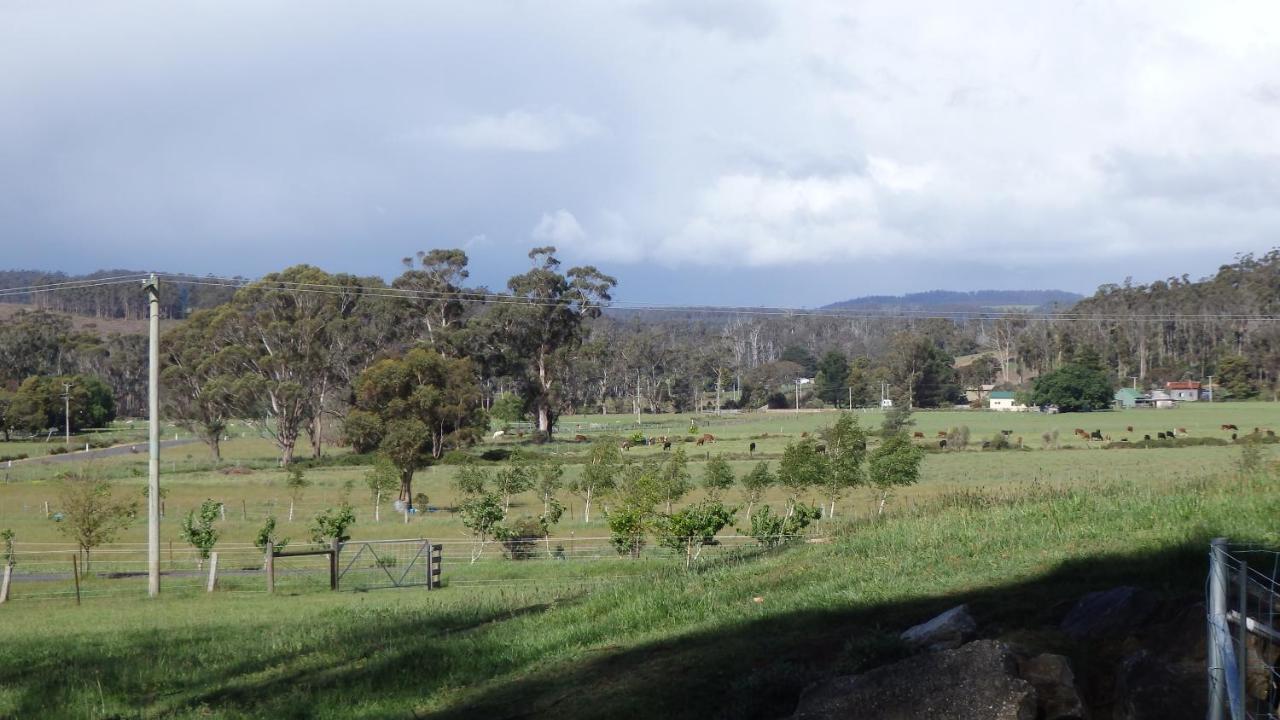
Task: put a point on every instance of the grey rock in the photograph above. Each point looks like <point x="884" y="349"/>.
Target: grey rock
<point x="946" y="631"/>
<point x="1055" y="685"/>
<point x="1107" y="613"/>
<point x="1148" y="688"/>
<point x="975" y="682"/>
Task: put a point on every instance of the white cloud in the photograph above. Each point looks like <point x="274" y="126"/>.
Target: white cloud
<point x="535" y="131"/>
<point x="613" y="242"/>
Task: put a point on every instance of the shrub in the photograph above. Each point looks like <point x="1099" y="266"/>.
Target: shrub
<point x="58" y="450"/>
<point x="520" y="539"/>
<point x="770" y="530"/>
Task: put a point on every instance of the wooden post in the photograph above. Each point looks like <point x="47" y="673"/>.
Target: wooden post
<point x="334" y="548"/>
<point x="213" y="572"/>
<point x="271" y="565"/>
<point x="4" y="583"/>
<point x="46" y="509"/>
<point x="222" y="508"/>
<point x="244" y="509"/>
<point x="75" y="573"/>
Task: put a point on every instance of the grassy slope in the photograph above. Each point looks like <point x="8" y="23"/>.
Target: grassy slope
<point x="667" y="645"/>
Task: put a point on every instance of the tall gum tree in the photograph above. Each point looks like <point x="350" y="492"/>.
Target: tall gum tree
<point x="544" y="323"/>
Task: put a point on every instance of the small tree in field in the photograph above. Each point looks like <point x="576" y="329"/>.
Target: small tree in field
<point x="599" y="473"/>
<point x="674" y="478"/>
<point x="267" y="536"/>
<point x="332" y="524"/>
<point x="92" y="513"/>
<point x="846" y="453"/>
<point x="297" y="484"/>
<point x="516" y="477"/>
<point x="717" y="476"/>
<point x="483" y="516"/>
<point x="550" y="480"/>
<point x="770" y="530"/>
<point x="639" y="490"/>
<point x="755" y="484"/>
<point x="694" y="528"/>
<point x="801" y="468"/>
<point x="382" y="479"/>
<point x="896" y="463"/>
<point x="198" y="529"/>
<point x="472" y="480"/>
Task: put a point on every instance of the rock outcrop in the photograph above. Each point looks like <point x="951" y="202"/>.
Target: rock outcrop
<point x="949" y="630"/>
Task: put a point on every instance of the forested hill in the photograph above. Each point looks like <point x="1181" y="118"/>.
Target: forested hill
<point x="121" y="301"/>
<point x="976" y="300"/>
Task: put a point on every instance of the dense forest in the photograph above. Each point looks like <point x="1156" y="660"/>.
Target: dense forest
<point x="287" y="349"/>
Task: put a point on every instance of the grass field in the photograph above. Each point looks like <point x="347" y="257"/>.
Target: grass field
<point x="1009" y="530"/>
<point x="664" y="643"/>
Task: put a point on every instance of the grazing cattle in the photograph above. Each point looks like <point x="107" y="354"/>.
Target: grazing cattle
<point x="751" y="450"/>
<point x="942" y="433"/>
<point x="520" y="434"/>
<point x="821" y="448"/>
<point x="804" y="434"/>
<point x="942" y="444"/>
<point x="1271" y="433"/>
<point x="1082" y="434"/>
<point x="666" y="444"/>
<point x="1182" y="431"/>
<point x="917" y="435"/>
<point x="579" y="438"/>
<point x="701" y="441"/>
<point x="499" y="434"/>
<point x="1095" y="435"/>
<point x="1006" y="433"/>
<point x="709" y="437"/>
<point x="1128" y="428"/>
<point x="1169" y="434"/>
<point x="1160" y="435"/>
<point x="626" y="445"/>
<point x="1146" y="438"/>
<point x="986" y="444"/>
<point x="1229" y="426"/>
<point x="1233" y="437"/>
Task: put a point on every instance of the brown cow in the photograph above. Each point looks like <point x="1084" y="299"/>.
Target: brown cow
<point x="700" y="441"/>
<point x="579" y="438"/>
<point x="917" y="435"/>
<point x="1181" y="431"/>
<point x="626" y="445"/>
<point x="1229" y="426"/>
<point x="709" y="437"/>
<point x="942" y="433"/>
<point x="1128" y="428"/>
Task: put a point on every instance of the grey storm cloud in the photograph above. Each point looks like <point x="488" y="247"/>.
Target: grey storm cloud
<point x="699" y="151"/>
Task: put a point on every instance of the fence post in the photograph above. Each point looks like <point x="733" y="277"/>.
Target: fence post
<point x="271" y="565"/>
<point x="1217" y="618"/>
<point x="4" y="583"/>
<point x="1242" y="652"/>
<point x="334" y="548"/>
<point x="75" y="573"/>
<point x="213" y="571"/>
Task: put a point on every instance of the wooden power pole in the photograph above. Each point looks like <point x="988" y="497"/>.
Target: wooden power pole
<point x="151" y="285"/>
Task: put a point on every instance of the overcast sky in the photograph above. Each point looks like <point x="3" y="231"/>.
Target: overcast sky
<point x="729" y="151"/>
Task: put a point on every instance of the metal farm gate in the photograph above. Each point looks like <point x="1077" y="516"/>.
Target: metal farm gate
<point x="375" y="564"/>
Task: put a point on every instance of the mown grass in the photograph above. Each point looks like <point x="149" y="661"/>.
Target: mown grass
<point x="664" y="644"/>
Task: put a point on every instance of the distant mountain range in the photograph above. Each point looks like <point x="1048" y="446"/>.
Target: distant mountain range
<point x="976" y="300"/>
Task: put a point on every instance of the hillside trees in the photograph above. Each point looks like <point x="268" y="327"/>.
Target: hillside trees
<point x="832" y="377"/>
<point x="424" y="403"/>
<point x="539" y="332"/>
<point x="284" y="340"/>
<point x="923" y="370"/>
<point x="38" y="404"/>
<point x="1078" y="386"/>
<point x="199" y="389"/>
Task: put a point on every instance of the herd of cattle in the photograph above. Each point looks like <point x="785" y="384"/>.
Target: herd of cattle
<point x="1097" y="435"/>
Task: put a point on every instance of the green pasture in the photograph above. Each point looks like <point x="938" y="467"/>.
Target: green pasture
<point x="250" y="485"/>
<point x="740" y="636"/>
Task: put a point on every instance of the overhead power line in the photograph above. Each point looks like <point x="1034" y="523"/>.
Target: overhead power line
<point x="491" y="298"/>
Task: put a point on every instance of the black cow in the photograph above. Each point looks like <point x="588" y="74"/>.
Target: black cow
<point x="752" y="449"/>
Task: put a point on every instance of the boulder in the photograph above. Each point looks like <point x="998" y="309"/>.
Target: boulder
<point x="946" y="631"/>
<point x="975" y="682"/>
<point x="1108" y="612"/>
<point x="1055" y="685"/>
<point x="1148" y="688"/>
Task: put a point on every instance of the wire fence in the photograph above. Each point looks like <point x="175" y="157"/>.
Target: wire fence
<point x="58" y="571"/>
<point x="1243" y="598"/>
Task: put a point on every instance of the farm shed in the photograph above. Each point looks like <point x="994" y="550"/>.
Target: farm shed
<point x="1006" y="401"/>
<point x="1127" y="398"/>
<point x="1183" y="390"/>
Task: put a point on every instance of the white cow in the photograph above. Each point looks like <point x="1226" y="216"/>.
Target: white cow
<point x="499" y="434"/>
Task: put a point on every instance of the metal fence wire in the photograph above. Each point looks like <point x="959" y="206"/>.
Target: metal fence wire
<point x="1243" y="599"/>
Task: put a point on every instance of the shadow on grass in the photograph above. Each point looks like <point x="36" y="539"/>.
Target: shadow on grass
<point x="392" y="663"/>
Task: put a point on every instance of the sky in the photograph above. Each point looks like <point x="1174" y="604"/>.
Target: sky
<point x="732" y="152"/>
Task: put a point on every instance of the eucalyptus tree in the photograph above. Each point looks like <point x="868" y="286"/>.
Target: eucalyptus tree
<point x="417" y="406"/>
<point x="542" y="323"/>
<point x="200" y="389"/>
